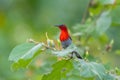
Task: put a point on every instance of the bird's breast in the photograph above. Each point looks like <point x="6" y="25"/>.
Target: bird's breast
<point x="64" y="36"/>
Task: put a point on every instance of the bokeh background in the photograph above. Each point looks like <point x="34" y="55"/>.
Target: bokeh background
<point x="24" y="19"/>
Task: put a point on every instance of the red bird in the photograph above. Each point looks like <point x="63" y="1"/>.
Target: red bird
<point x="64" y="36"/>
<point x="66" y="39"/>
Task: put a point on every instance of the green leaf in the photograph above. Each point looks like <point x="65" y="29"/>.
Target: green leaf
<point x="109" y="77"/>
<point x="60" y="69"/>
<point x="47" y="61"/>
<point x="23" y="54"/>
<point x="91" y="70"/>
<point x="83" y="29"/>
<point x="94" y="70"/>
<point x="117" y="52"/>
<point x="80" y="29"/>
<point x="105" y="2"/>
<point x="68" y="50"/>
<point x="103" y="23"/>
<point x="115" y="17"/>
<point x="117" y="71"/>
<point x="96" y="10"/>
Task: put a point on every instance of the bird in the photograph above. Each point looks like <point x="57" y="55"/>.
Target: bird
<point x="66" y="39"/>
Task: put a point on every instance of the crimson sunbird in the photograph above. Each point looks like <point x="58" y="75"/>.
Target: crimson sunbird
<point x="66" y="39"/>
<point x="64" y="36"/>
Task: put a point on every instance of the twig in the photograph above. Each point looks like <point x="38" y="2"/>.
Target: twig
<point x="33" y="41"/>
<point x="48" y="47"/>
<point x="86" y="12"/>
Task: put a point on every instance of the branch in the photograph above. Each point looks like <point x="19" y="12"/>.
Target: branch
<point x="86" y="12"/>
<point x="33" y="41"/>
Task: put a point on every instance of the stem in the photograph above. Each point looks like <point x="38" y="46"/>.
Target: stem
<point x="33" y="41"/>
<point x="86" y="12"/>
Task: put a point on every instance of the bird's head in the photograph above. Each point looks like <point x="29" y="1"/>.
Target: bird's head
<point x="61" y="27"/>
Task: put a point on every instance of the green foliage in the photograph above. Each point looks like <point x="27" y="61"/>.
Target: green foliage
<point x="105" y="2"/>
<point x="98" y="27"/>
<point x="92" y="69"/>
<point x="115" y="18"/>
<point x="60" y="69"/>
<point x="22" y="54"/>
<point x="103" y="22"/>
<point x="95" y="39"/>
<point x="68" y="50"/>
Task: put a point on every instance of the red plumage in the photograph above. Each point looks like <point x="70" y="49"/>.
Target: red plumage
<point x="64" y="36"/>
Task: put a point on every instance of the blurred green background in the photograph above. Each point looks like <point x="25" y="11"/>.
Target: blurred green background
<point x="24" y="19"/>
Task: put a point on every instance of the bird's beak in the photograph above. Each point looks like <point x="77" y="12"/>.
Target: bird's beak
<point x="57" y="25"/>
